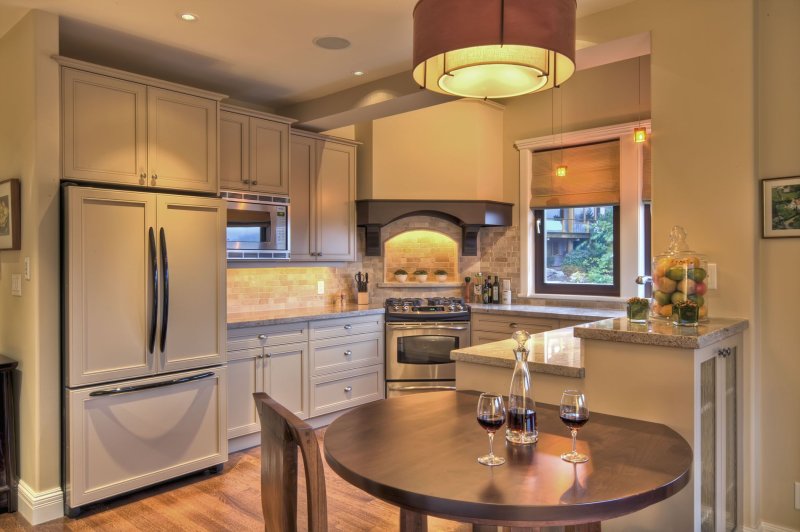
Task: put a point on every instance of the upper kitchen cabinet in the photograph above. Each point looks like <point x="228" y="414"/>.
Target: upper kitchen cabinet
<point x="126" y="129"/>
<point x="323" y="185"/>
<point x="253" y="151"/>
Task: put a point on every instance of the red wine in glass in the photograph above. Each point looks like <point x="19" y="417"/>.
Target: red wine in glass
<point x="574" y="413"/>
<point x="491" y="414"/>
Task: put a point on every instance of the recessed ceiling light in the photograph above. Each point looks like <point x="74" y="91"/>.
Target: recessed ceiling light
<point x="187" y="17"/>
<point x="331" y="43"/>
<point x="358" y="73"/>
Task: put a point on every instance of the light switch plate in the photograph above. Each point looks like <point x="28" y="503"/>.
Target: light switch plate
<point x="16" y="284"/>
<point x="27" y="268"/>
<point x="320" y="287"/>
<point x="712" y="276"/>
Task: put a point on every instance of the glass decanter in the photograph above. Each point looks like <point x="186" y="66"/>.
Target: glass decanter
<point x="521" y="415"/>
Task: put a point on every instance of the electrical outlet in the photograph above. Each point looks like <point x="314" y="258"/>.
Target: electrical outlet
<point x="711" y="282"/>
<point x="27" y="268"/>
<point x="320" y="287"/>
<point x="797" y="495"/>
<point x="16" y="284"/>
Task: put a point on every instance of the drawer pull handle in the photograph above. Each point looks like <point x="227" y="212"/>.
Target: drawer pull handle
<point x="262" y="336"/>
<point x="348" y="327"/>
<point x="348" y="353"/>
<point x="348" y="389"/>
<point x="512" y="325"/>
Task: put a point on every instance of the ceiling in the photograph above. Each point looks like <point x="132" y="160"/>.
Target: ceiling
<point x="257" y="51"/>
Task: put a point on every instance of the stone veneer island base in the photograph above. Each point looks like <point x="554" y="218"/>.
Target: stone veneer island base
<point x="688" y="378"/>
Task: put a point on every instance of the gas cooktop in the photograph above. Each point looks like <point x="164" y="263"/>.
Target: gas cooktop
<point x="431" y="309"/>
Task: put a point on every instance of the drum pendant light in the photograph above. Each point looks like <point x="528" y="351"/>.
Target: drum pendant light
<point x="493" y="48"/>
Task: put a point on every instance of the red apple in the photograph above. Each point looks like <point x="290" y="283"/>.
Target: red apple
<point x="700" y="288"/>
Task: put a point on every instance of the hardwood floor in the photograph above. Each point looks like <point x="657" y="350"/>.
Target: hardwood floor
<point x="230" y="500"/>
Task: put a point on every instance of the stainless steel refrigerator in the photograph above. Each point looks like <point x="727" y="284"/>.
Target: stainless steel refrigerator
<point x="144" y="339"/>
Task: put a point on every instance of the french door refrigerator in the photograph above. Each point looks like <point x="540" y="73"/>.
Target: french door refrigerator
<point x="144" y="340"/>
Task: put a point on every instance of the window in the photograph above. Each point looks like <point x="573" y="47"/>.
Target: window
<point x="577" y="250"/>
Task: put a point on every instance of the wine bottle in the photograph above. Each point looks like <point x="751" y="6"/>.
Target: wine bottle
<point x="477" y="288"/>
<point x="496" y="290"/>
<point x="487" y="290"/>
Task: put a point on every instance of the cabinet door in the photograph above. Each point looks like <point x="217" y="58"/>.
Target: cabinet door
<point x="109" y="286"/>
<point x="269" y="156"/>
<point x="234" y="151"/>
<point x="105" y="135"/>
<point x="244" y="379"/>
<point x="181" y="141"/>
<point x="303" y="167"/>
<point x="192" y="238"/>
<point x="335" y="196"/>
<point x="286" y="377"/>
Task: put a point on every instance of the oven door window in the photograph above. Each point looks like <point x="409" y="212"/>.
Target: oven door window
<point x="426" y="349"/>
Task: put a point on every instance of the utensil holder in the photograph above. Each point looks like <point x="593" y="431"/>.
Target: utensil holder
<point x="363" y="298"/>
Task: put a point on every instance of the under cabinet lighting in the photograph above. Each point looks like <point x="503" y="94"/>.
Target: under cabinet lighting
<point x="561" y="170"/>
<point x="358" y="73"/>
<point x="188" y="17"/>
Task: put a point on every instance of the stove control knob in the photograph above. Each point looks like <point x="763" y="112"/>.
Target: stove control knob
<point x="452" y="308"/>
<point x="458" y="308"/>
<point x="396" y="308"/>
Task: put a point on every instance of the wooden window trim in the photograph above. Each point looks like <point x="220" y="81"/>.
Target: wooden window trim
<point x="573" y="289"/>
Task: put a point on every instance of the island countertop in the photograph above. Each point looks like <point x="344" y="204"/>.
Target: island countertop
<point x="662" y="333"/>
<point x="555" y="352"/>
<point x="240" y="320"/>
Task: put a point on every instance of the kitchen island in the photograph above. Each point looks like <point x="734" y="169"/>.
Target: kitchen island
<point x="686" y="378"/>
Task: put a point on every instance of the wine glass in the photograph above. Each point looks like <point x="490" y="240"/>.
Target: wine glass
<point x="574" y="414"/>
<point x="491" y="416"/>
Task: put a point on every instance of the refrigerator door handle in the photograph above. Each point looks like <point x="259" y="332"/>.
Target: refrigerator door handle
<point x="154" y="280"/>
<point x="165" y="306"/>
<point x="140" y="387"/>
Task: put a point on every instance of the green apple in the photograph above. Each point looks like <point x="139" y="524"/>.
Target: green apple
<point x="662" y="298"/>
<point x="697" y="274"/>
<point x="676" y="273"/>
<point x="700" y="300"/>
<point x="678" y="297"/>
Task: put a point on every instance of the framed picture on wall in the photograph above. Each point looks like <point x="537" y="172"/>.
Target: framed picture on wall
<point x="9" y="214"/>
<point x="781" y="207"/>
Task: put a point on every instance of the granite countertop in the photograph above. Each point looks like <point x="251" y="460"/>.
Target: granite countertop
<point x="549" y="311"/>
<point x="240" y="320"/>
<point x="555" y="352"/>
<point x="657" y="332"/>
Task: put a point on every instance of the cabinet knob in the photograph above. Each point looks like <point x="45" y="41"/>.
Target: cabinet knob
<point x="724" y="352"/>
<point x="154" y="176"/>
<point x="348" y="327"/>
<point x="348" y="389"/>
<point x="142" y="177"/>
<point x="348" y="353"/>
<point x="260" y="356"/>
<point x="267" y="355"/>
<point x="246" y="181"/>
<point x="512" y="325"/>
<point x="262" y="336"/>
<point x="253" y="182"/>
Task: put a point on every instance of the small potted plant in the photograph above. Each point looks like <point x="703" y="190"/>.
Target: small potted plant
<point x="638" y="308"/>
<point x="401" y="275"/>
<point x="421" y="275"/>
<point x="685" y="313"/>
<point x="441" y="275"/>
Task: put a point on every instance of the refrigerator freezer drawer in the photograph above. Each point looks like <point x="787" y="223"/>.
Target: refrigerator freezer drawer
<point x="125" y="436"/>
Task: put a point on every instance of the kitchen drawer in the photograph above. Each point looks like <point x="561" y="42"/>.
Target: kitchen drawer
<point x="346" y="389"/>
<point x="339" y="354"/>
<point x="338" y="327"/>
<point x="484" y="337"/>
<point x="120" y="442"/>
<point x="505" y="323"/>
<point x="267" y="336"/>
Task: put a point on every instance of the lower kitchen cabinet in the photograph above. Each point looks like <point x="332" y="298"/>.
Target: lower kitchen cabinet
<point x="490" y="327"/>
<point x="311" y="368"/>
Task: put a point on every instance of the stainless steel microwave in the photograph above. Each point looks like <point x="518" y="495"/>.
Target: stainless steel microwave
<point x="258" y="226"/>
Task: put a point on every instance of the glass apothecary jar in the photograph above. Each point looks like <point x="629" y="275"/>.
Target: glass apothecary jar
<point x="679" y="275"/>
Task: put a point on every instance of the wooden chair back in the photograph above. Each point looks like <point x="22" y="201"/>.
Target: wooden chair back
<point x="281" y="434"/>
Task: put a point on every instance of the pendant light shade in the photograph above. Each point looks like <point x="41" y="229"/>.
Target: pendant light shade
<point x="493" y="48"/>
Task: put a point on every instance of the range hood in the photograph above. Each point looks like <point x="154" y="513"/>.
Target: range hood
<point x="471" y="215"/>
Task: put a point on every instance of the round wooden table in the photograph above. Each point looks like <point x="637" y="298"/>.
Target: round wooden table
<point x="419" y="452"/>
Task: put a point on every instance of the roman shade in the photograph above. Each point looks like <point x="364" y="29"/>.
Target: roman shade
<point x="592" y="177"/>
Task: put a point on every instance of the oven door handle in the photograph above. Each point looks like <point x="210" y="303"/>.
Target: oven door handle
<point x="423" y="327"/>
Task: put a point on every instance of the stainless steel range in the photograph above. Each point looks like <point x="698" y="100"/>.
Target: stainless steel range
<point x="419" y="337"/>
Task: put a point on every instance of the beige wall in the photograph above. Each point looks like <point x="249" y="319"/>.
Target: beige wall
<point x="448" y="151"/>
<point x="29" y="326"/>
<point x="779" y="261"/>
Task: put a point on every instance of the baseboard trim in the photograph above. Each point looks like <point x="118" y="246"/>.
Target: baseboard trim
<point x="40" y="507"/>
<point x="768" y="527"/>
